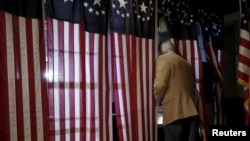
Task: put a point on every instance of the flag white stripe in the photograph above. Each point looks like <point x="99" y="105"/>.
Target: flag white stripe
<point x="144" y="83"/>
<point x="88" y="45"/>
<point x="66" y="80"/>
<point x="103" y="110"/>
<point x="111" y="91"/>
<point x="25" y="78"/>
<point x="215" y="61"/>
<point x="244" y="51"/>
<point x="243" y="68"/>
<point x="108" y="134"/>
<point x="188" y="50"/>
<point x="96" y="77"/>
<point x="88" y="91"/>
<point x="197" y="60"/>
<point x="151" y="51"/>
<point x="56" y="81"/>
<point x="139" y="47"/>
<point x="77" y="65"/>
<point x="130" y="48"/>
<point x="125" y="54"/>
<point x="11" y="78"/>
<point x="219" y="57"/>
<point x="119" y="81"/>
<point x="123" y="120"/>
<point x="244" y="34"/>
<point x="180" y="48"/>
<point x="37" y="72"/>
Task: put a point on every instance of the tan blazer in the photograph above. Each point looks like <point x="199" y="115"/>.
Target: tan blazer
<point x="174" y="87"/>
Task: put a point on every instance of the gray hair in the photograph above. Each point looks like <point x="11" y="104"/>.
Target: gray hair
<point x="167" y="46"/>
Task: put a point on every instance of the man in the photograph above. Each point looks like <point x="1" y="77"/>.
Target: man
<point x="174" y="89"/>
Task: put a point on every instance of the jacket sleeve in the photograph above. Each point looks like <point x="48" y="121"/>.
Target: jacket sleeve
<point x="163" y="71"/>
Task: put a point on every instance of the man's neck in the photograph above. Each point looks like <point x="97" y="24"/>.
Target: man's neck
<point x="167" y="52"/>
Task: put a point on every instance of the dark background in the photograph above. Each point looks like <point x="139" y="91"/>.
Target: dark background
<point x="224" y="7"/>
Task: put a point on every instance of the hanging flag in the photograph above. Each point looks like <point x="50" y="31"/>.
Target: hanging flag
<point x="133" y="63"/>
<point x="243" y="72"/>
<point x="78" y="79"/>
<point x="181" y="23"/>
<point x="219" y="85"/>
<point x="23" y="86"/>
<point x="211" y="28"/>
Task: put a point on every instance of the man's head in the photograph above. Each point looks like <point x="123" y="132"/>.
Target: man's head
<point x="167" y="46"/>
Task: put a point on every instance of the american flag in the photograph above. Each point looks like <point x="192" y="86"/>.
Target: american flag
<point x="219" y="84"/>
<point x="243" y="72"/>
<point x="211" y="27"/>
<point x="133" y="61"/>
<point x="77" y="66"/>
<point x="23" y="99"/>
<point x="181" y="22"/>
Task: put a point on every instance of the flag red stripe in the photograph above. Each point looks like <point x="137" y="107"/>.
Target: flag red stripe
<point x="18" y="81"/>
<point x="129" y="51"/>
<point x="83" y="96"/>
<point x="51" y="84"/>
<point x="137" y="65"/>
<point x="151" y="50"/>
<point x="148" y="100"/>
<point x="108" y="116"/>
<point x="44" y="88"/>
<point x="133" y="83"/>
<point x="11" y="64"/>
<point x="92" y="86"/>
<point x="101" y="92"/>
<point x="66" y="97"/>
<point x="144" y="80"/>
<point x="203" y="112"/>
<point x="244" y="43"/>
<point x="243" y="76"/>
<point x="61" y="77"/>
<point x="116" y="87"/>
<point x="124" y="92"/>
<point x="243" y="71"/>
<point x="218" y="89"/>
<point x="193" y="58"/>
<point x="184" y="47"/>
<point x="244" y="59"/>
<point x="145" y="51"/>
<point x="201" y="81"/>
<point x="24" y="98"/>
<point x="31" y="76"/>
<point x="127" y="96"/>
<point x="213" y="60"/>
<point x="104" y="92"/>
<point x="4" y="100"/>
<point x="70" y="114"/>
<point x="71" y="85"/>
<point x="188" y="49"/>
<point x="144" y="93"/>
<point x="220" y="56"/>
<point x="141" y="96"/>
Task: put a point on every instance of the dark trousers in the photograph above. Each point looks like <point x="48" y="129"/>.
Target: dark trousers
<point x="179" y="130"/>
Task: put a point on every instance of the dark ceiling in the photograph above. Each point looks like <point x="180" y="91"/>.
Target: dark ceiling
<point x="218" y="6"/>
